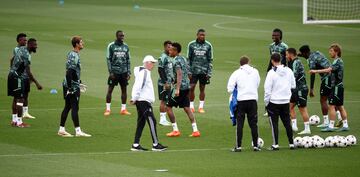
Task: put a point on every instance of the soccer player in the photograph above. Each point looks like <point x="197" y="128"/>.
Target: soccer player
<point x="118" y="62"/>
<point x="299" y="94"/>
<point x="143" y="97"/>
<point x="336" y="97"/>
<point x="200" y="56"/>
<point x="180" y="94"/>
<point x="277" y="47"/>
<point x="71" y="89"/>
<point x="247" y="81"/>
<point x="278" y="84"/>
<point x="165" y="71"/>
<point x="318" y="61"/>
<point x="16" y="85"/>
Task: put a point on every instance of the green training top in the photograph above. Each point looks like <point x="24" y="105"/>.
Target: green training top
<point x="118" y="58"/>
<point x="22" y="59"/>
<point x="337" y="72"/>
<point x="299" y="73"/>
<point x="200" y="55"/>
<point x="166" y="63"/>
<point x="181" y="63"/>
<point x="73" y="62"/>
<point x="317" y="61"/>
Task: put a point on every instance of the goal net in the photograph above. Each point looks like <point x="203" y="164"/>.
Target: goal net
<point x="331" y="11"/>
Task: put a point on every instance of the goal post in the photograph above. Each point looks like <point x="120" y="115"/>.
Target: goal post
<point x="331" y="11"/>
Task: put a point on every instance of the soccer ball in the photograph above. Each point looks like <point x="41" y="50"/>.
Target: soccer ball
<point x="329" y="141"/>
<point x="260" y="143"/>
<point x="319" y="142"/>
<point x="314" y="120"/>
<point x="341" y="142"/>
<point x="297" y="141"/>
<point x="307" y="142"/>
<point x="351" y="140"/>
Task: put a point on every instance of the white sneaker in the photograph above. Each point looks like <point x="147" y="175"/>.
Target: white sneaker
<point x="266" y="114"/>
<point x="295" y="129"/>
<point x="304" y="132"/>
<point x="28" y="116"/>
<point x="64" y="134"/>
<point x="82" y="134"/>
<point x="164" y="122"/>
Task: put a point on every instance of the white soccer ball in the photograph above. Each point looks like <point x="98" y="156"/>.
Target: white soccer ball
<point x="260" y="143"/>
<point x="307" y="142"/>
<point x="351" y="140"/>
<point x="341" y="142"/>
<point x="297" y="141"/>
<point x="319" y="142"/>
<point x="329" y="141"/>
<point x="314" y="120"/>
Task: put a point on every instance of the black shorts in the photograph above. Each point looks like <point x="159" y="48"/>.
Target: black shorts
<point x="337" y="96"/>
<point x="119" y="79"/>
<point x="26" y="85"/>
<point x="199" y="77"/>
<point x="299" y="97"/>
<point x="163" y="93"/>
<point x="325" y="88"/>
<point x="15" y="86"/>
<point x="181" y="101"/>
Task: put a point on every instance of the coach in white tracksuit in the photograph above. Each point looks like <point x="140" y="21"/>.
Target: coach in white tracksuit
<point x="246" y="79"/>
<point x="278" y="84"/>
<point x="143" y="97"/>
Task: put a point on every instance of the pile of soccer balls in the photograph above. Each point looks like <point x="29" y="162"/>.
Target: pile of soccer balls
<point x="318" y="142"/>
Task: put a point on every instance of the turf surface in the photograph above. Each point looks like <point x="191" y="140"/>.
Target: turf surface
<point x="233" y="27"/>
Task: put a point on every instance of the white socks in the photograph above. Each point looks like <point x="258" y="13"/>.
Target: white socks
<point x="77" y="130"/>
<point x="338" y="115"/>
<point x="191" y="105"/>
<point x="194" y="127"/>
<point x="331" y="124"/>
<point x="162" y="116"/>
<point x="25" y="109"/>
<point x="61" y="129"/>
<point x="123" y="107"/>
<point x="294" y="123"/>
<point x="108" y="106"/>
<point x="345" y="123"/>
<point x="306" y="126"/>
<point x="175" y="127"/>
<point x="326" y="119"/>
<point x="19" y="120"/>
<point x="201" y="105"/>
<point x="14" y="117"/>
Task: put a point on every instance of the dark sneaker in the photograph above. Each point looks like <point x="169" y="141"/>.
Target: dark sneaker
<point x="339" y="124"/>
<point x="256" y="149"/>
<point x="273" y="148"/>
<point x="159" y="147"/>
<point x="138" y="148"/>
<point x="236" y="149"/>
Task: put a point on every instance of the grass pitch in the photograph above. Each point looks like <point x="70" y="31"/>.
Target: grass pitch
<point x="233" y="27"/>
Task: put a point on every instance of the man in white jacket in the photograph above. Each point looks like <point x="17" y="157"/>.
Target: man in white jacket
<point x="247" y="81"/>
<point x="278" y="84"/>
<point x="143" y="96"/>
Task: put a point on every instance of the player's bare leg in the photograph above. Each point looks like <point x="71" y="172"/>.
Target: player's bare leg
<point x="171" y="115"/>
<point x="324" y="110"/>
<point x="345" y="126"/>
<point x="123" y="100"/>
<point x="196" y="132"/>
<point x="192" y="97"/>
<point x="293" y="117"/>
<point x="202" y="98"/>
<point x="108" y="100"/>
<point x="163" y="120"/>
<point x="26" y="107"/>
<point x="305" y="115"/>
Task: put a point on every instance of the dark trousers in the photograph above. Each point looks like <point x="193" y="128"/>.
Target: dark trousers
<point x="248" y="107"/>
<point x="71" y="102"/>
<point x="282" y="110"/>
<point x="145" y="114"/>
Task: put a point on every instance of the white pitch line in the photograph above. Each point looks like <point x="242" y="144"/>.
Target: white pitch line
<point x="104" y="153"/>
<point x="225" y="105"/>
